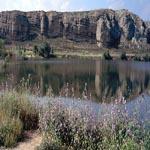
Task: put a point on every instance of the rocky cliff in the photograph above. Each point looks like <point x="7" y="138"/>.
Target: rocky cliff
<point x="107" y="28"/>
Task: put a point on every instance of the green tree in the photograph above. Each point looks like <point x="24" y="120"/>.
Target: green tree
<point x="2" y="49"/>
<point x="35" y="49"/>
<point x="43" y="50"/>
<point x="107" y="56"/>
<point x="123" y="56"/>
<point x="146" y="58"/>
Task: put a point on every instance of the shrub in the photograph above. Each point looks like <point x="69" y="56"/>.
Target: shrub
<point x="147" y="140"/>
<point x="123" y="56"/>
<point x="137" y="58"/>
<point x="17" y="114"/>
<point x="107" y="56"/>
<point x="48" y="145"/>
<point x="17" y="104"/>
<point x="146" y="58"/>
<point x="76" y="130"/>
<point x="3" y="53"/>
<point x="130" y="144"/>
<point x="43" y="50"/>
<point x="35" y="49"/>
<point x="10" y="131"/>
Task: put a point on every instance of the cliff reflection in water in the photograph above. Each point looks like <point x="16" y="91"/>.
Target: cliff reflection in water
<point x="95" y="79"/>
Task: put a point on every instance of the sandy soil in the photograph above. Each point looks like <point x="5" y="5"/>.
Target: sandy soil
<point x="33" y="140"/>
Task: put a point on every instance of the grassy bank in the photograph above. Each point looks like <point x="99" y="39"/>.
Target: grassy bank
<point x="66" y="128"/>
<point x="17" y="115"/>
<point x="115" y="55"/>
<point x="67" y="48"/>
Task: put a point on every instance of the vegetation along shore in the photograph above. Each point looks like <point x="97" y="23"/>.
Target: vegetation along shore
<point x="65" y="128"/>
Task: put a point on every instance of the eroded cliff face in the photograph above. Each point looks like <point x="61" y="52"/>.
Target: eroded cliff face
<point x="108" y="32"/>
<point x="105" y="27"/>
<point x="148" y="32"/>
<point x="14" y="26"/>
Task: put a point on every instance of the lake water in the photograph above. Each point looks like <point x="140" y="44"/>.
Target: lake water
<point x="90" y="79"/>
<point x="87" y="85"/>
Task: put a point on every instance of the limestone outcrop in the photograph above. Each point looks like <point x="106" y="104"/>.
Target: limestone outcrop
<point x="107" y="28"/>
<point x="108" y="32"/>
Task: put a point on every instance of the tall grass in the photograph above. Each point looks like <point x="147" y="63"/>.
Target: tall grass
<point x="17" y="114"/>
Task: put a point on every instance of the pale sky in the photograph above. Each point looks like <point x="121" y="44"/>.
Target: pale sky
<point x="140" y="7"/>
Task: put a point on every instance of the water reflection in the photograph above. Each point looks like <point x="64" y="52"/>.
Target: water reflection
<point x="95" y="79"/>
